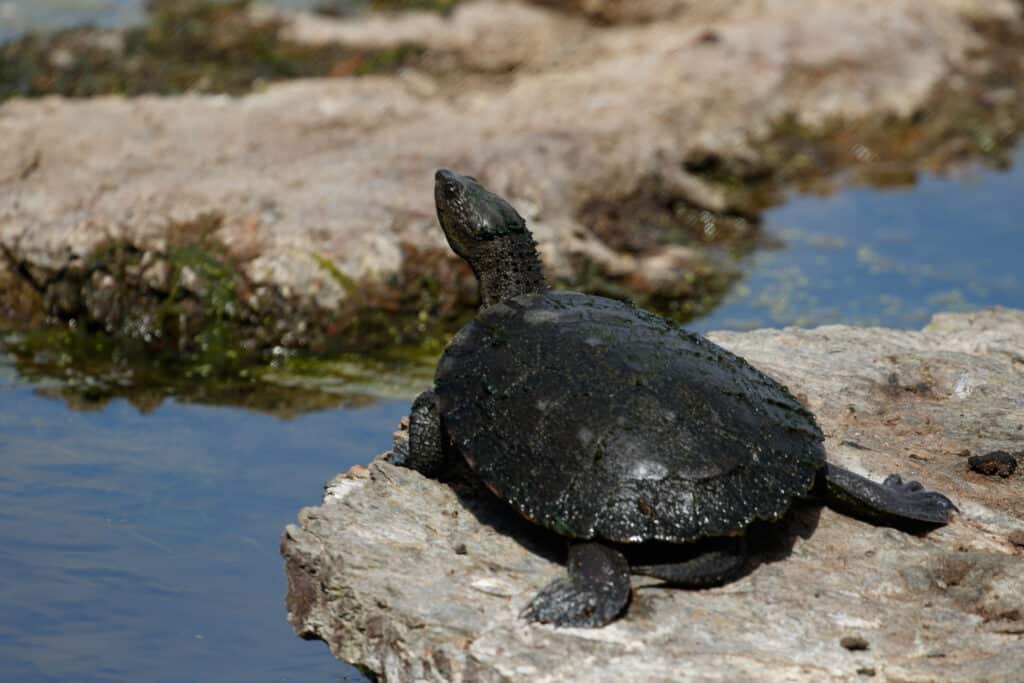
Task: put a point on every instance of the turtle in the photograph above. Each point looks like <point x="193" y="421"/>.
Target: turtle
<point x="617" y="428"/>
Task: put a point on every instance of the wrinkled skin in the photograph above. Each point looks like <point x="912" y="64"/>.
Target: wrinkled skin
<point x="611" y="426"/>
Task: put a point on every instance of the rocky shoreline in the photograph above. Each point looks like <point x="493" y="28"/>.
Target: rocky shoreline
<point x="412" y="579"/>
<point x="300" y="216"/>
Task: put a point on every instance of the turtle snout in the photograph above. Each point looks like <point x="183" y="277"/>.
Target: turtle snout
<point x="447" y="182"/>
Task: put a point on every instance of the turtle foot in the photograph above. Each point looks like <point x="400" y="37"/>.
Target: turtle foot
<point x="918" y="502"/>
<point x="893" y="502"/>
<point x="595" y="592"/>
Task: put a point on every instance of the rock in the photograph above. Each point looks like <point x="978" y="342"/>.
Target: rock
<point x="854" y="643"/>
<point x="419" y="580"/>
<point x="991" y="464"/>
<point x="321" y="189"/>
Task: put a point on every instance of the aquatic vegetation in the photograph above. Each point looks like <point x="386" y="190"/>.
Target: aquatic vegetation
<point x="185" y="321"/>
<point x="443" y="6"/>
<point x="88" y="369"/>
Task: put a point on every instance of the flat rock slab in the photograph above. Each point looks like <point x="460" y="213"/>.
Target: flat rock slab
<point x="416" y="580"/>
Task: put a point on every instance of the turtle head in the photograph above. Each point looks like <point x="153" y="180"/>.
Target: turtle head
<point x="470" y="215"/>
<point x="486" y="231"/>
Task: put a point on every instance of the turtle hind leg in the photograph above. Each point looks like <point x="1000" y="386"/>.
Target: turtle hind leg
<point x="424" y="451"/>
<point x="596" y="591"/>
<point x="722" y="561"/>
<point x="906" y="505"/>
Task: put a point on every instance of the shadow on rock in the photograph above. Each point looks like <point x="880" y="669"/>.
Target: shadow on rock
<point x="767" y="542"/>
<point x="491" y="511"/>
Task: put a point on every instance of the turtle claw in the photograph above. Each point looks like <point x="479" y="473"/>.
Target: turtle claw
<point x="562" y="603"/>
<point x="896" y="481"/>
<point x="929" y="505"/>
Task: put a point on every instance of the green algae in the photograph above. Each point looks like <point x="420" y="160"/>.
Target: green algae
<point x="89" y="369"/>
<point x="343" y="8"/>
<point x="185" y="322"/>
<point x="185" y="46"/>
<point x="441" y="6"/>
<point x="347" y="284"/>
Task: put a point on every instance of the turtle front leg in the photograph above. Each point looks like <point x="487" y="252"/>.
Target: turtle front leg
<point x="892" y="503"/>
<point x="596" y="591"/>
<point x="424" y="451"/>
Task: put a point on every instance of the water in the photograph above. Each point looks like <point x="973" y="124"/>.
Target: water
<point x="19" y="16"/>
<point x="145" y="547"/>
<point x="891" y="257"/>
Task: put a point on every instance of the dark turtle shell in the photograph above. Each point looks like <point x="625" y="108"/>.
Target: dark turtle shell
<point x="597" y="419"/>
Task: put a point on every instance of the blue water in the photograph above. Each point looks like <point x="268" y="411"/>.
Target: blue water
<point x="19" y="16"/>
<point x="891" y="257"/>
<point x="145" y="547"/>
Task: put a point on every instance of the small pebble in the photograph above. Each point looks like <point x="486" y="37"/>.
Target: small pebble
<point x="1017" y="538"/>
<point x="991" y="464"/>
<point x="866" y="671"/>
<point x="460" y="549"/>
<point x="709" y="37"/>
<point x="853" y="643"/>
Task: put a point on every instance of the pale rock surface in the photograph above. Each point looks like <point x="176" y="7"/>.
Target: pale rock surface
<point x="407" y="578"/>
<point x="548" y="109"/>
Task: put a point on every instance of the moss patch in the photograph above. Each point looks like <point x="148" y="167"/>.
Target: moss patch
<point x="88" y="370"/>
<point x="339" y="8"/>
<point x="185" y="321"/>
<point x="186" y="45"/>
<point x="442" y="6"/>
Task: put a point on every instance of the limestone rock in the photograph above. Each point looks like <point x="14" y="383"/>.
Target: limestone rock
<point x="417" y="580"/>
